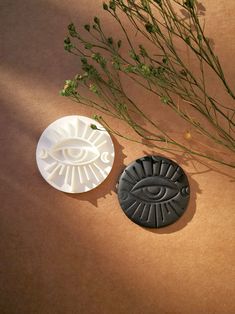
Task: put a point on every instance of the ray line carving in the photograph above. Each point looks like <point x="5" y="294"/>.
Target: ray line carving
<point x="84" y="131"/>
<point x="77" y="128"/>
<point x="166" y="208"/>
<point x="141" y="171"/>
<point x="61" y="169"/>
<point x="71" y="130"/>
<point x="150" y="211"/>
<point x="101" y="144"/>
<point x="99" y="169"/>
<point x="162" y="170"/>
<point x="131" y="206"/>
<point x="136" y="173"/>
<point x="142" y="166"/>
<point x="66" y="179"/>
<point x="124" y="179"/>
<point x="52" y="174"/>
<point x="91" y="135"/>
<point x="167" y="167"/>
<point x="176" y="174"/>
<point x="143" y="210"/>
<point x="63" y="132"/>
<point x="171" y="206"/>
<point x="92" y="170"/>
<point x="73" y="177"/>
<point x="80" y="175"/>
<point x="58" y="134"/>
<point x="156" y="167"/>
<point x="97" y="138"/>
<point x="160" y="207"/>
<point x="168" y="170"/>
<point x="156" y="217"/>
<point x="54" y="135"/>
<point x="160" y="167"/>
<point x="51" y="166"/>
<point x="131" y="176"/>
<point x="132" y="216"/>
<point x="86" y="173"/>
<point x="151" y="167"/>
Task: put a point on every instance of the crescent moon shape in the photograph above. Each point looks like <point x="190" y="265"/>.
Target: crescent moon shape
<point x="104" y="157"/>
<point x="43" y="154"/>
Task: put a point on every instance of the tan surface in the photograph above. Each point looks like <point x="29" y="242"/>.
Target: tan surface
<point x="80" y="254"/>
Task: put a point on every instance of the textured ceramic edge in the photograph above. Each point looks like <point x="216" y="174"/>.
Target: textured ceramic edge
<point x="72" y="157"/>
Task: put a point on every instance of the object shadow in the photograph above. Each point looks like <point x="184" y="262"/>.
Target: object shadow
<point x="186" y="160"/>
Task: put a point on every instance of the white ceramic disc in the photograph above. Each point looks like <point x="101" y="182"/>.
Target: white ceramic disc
<point x="73" y="157"/>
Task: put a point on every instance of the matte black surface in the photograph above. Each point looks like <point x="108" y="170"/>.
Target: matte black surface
<point x="153" y="191"/>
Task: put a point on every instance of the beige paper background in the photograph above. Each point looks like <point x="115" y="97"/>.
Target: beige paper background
<point x="63" y="253"/>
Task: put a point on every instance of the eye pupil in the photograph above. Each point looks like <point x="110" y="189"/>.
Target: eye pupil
<point x="153" y="189"/>
<point x="73" y="152"/>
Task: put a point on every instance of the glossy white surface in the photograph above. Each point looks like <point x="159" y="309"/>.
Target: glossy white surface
<point x="73" y="157"/>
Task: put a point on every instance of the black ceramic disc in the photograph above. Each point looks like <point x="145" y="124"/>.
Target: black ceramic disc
<point x="153" y="191"/>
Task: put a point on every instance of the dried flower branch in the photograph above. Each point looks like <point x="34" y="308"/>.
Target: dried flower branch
<point x="161" y="70"/>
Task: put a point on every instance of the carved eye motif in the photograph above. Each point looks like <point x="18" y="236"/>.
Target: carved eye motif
<point x="148" y="190"/>
<point x="153" y="191"/>
<point x="72" y="156"/>
<point x="75" y="152"/>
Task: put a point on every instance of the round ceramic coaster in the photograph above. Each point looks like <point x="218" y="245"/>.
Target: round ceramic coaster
<point x="153" y="191"/>
<point x="73" y="157"/>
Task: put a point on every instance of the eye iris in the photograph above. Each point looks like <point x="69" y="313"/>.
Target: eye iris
<point x="73" y="154"/>
<point x="154" y="193"/>
<point x="155" y="190"/>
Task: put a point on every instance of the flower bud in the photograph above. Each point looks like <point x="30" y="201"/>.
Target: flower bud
<point x="149" y="27"/>
<point x="94" y="127"/>
<point x="105" y="6"/>
<point x="72" y="30"/>
<point x="159" y="2"/>
<point x="189" y="4"/>
<point x="97" y="20"/>
<point x="188" y="135"/>
<point x="87" y="27"/>
<point x="112" y="5"/>
<point x="110" y="40"/>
